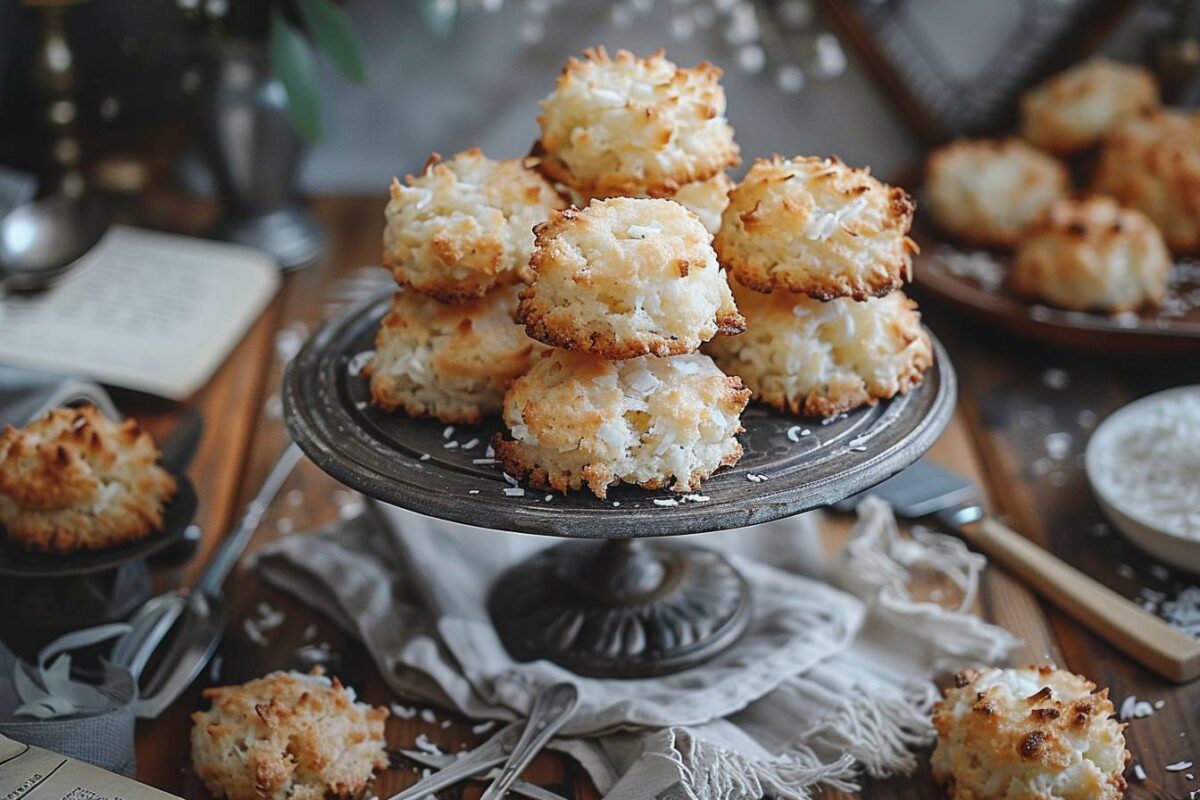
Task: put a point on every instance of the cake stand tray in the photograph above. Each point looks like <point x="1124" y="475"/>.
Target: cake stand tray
<point x="618" y="607"/>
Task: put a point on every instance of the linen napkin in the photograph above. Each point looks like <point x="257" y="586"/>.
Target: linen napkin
<point x="825" y="683"/>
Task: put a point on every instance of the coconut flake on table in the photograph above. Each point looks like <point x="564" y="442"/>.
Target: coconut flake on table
<point x="1134" y="708"/>
<point x="976" y="265"/>
<point x="1150" y="465"/>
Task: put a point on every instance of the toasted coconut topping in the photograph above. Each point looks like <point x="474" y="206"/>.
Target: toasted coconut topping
<point x="75" y="480"/>
<point x="629" y="125"/>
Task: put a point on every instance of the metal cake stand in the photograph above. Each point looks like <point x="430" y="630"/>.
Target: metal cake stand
<point x="625" y="603"/>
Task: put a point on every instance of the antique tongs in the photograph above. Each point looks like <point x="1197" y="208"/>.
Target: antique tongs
<point x="514" y="746"/>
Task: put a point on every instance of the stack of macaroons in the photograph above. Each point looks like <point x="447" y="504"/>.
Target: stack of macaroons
<point x="638" y="127"/>
<point x="627" y="289"/>
<point x="458" y="241"/>
<point x="817" y="252"/>
<point x="1082" y="254"/>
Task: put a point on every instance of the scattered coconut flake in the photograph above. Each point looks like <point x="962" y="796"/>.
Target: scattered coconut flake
<point x="1127" y="572"/>
<point x="285" y="525"/>
<point x="1159" y="705"/>
<point x="425" y="456"/>
<point x="696" y="498"/>
<point x="451" y="445"/>
<point x="448" y="432"/>
<point x="1058" y="445"/>
<point x="254" y="632"/>
<point x="514" y="491"/>
<point x="1055" y="378"/>
<point x="490" y="452"/>
<point x="1178" y="766"/>
<point x="483" y="727"/>
<point x="549" y="497"/>
<point x="214" y="668"/>
<point x="509" y="479"/>
<point x="445" y="724"/>
<point x="403" y="712"/>
<point x="472" y="491"/>
<point x="616" y="503"/>
<point x="310" y="632"/>
<point x="978" y="266"/>
<point x="427" y="715"/>
<point x="755" y="477"/>
<point x="423" y="744"/>
<point x="471" y="445"/>
<point x="1133" y="708"/>
<point x="484" y="461"/>
<point x="1138" y="772"/>
<point x="295" y="498"/>
<point x="666" y="502"/>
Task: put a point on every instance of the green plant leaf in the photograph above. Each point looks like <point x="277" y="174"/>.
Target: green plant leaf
<point x="293" y="63"/>
<point x="336" y="37"/>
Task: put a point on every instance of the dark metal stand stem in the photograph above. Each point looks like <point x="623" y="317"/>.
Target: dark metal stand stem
<point x="620" y="608"/>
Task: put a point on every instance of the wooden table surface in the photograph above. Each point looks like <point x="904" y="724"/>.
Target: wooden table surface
<point x="1013" y="395"/>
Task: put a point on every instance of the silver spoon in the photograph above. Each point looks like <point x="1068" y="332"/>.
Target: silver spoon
<point x="41" y="241"/>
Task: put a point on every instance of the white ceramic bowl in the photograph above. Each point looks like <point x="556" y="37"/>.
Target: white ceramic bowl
<point x="1171" y="549"/>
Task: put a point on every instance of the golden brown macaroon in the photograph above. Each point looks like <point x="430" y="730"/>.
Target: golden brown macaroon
<point x="465" y="225"/>
<point x="629" y="125"/>
<point x="1072" y="110"/>
<point x="1091" y="254"/>
<point x="576" y="420"/>
<point x="816" y="359"/>
<point x="1028" y="734"/>
<point x="1153" y="164"/>
<point x="818" y="227"/>
<point x="75" y="480"/>
<point x="452" y="362"/>
<point x="987" y="191"/>
<point x="627" y="277"/>
<point x="706" y="199"/>
<point x="287" y="736"/>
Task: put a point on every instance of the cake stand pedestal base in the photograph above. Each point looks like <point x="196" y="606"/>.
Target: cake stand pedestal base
<point x="620" y="608"/>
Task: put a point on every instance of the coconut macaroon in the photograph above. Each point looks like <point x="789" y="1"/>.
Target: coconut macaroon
<point x="75" y="480"/>
<point x="818" y="227"/>
<point x="1028" y="734"/>
<point x="1092" y="254"/>
<point x="576" y="419"/>
<point x="1073" y="109"/>
<point x="706" y="199"/>
<point x="627" y="277"/>
<point x="1153" y="164"/>
<point x="452" y="362"/>
<point x="816" y="359"/>
<point x="629" y="125"/>
<point x="987" y="192"/>
<point x="465" y="225"/>
<point x="287" y="736"/>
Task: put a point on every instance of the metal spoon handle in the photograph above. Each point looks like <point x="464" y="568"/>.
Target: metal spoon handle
<point x="551" y="711"/>
<point x="231" y="548"/>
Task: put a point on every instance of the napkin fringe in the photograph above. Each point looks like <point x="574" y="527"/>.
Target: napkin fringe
<point x="708" y="770"/>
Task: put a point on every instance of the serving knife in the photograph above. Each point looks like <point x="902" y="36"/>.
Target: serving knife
<point x="925" y="489"/>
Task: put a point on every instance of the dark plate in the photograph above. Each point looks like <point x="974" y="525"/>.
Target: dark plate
<point x="939" y="270"/>
<point x="176" y="517"/>
<point x="379" y="454"/>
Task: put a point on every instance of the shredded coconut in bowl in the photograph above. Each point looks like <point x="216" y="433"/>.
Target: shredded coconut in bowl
<point x="1145" y="460"/>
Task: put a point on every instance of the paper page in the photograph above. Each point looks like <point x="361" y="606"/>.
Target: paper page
<point x="153" y="312"/>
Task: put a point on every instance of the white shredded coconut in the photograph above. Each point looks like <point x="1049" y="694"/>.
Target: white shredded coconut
<point x="1148" y="462"/>
<point x="514" y="491"/>
<point x="1178" y="766"/>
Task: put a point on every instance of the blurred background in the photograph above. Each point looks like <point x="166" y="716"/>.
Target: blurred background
<point x="137" y="98"/>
